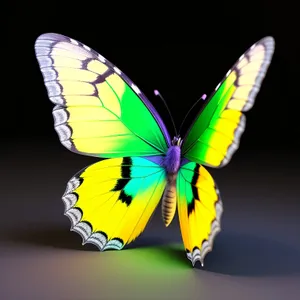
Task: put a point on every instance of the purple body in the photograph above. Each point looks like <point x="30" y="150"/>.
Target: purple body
<point x="172" y="159"/>
<point x="171" y="163"/>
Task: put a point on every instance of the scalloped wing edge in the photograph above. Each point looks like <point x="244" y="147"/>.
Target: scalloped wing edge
<point x="83" y="228"/>
<point x="207" y="245"/>
<point x="40" y="42"/>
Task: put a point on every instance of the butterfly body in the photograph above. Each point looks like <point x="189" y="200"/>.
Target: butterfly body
<point x="171" y="163"/>
<point x="99" y="111"/>
<point x="173" y="157"/>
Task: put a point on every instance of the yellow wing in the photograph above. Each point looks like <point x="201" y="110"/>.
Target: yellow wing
<point x="110" y="202"/>
<point x="216" y="132"/>
<point x="99" y="110"/>
<point x="199" y="209"/>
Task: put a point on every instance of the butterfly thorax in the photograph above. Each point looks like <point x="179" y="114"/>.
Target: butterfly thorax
<point x="171" y="164"/>
<point x="173" y="156"/>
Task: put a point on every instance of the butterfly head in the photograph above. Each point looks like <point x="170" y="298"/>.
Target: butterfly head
<point x="177" y="141"/>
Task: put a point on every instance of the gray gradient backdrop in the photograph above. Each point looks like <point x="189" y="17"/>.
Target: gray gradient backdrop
<point x="257" y="254"/>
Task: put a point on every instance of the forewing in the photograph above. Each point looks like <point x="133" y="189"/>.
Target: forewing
<point x="215" y="135"/>
<point x="99" y="111"/>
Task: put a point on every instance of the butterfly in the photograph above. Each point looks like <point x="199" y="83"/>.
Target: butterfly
<point x="100" y="112"/>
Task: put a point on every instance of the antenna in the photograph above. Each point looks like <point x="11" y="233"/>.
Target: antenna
<point x="157" y="93"/>
<point x="203" y="97"/>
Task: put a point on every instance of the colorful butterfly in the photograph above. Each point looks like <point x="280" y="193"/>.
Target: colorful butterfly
<point x="100" y="112"/>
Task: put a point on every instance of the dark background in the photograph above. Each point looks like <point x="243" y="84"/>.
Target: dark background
<point x="183" y="51"/>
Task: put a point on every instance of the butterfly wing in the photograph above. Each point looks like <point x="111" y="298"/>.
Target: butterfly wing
<point x="110" y="202"/>
<point x="99" y="111"/>
<point x="215" y="135"/>
<point x="199" y="210"/>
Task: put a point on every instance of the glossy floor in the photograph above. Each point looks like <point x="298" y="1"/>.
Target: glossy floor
<point x="256" y="256"/>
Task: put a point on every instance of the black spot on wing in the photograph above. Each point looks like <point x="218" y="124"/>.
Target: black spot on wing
<point x="195" y="193"/>
<point x="191" y="205"/>
<point x="126" y="167"/>
<point x="120" y="185"/>
<point x="125" y="198"/>
<point x="122" y="182"/>
<point x="125" y="174"/>
<point x="196" y="175"/>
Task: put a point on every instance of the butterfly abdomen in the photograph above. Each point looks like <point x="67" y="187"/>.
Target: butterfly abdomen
<point x="169" y="200"/>
<point x="171" y="164"/>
